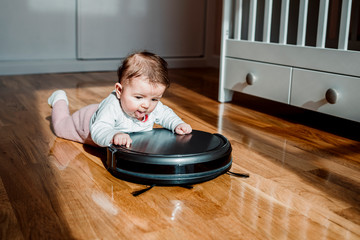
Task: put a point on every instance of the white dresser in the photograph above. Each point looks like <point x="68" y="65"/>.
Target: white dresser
<point x="277" y="51"/>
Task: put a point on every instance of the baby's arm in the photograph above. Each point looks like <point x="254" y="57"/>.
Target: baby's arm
<point x="102" y="126"/>
<point x="122" y="139"/>
<point x="168" y="119"/>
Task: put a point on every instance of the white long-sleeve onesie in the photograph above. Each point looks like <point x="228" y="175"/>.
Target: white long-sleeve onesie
<point x="110" y="119"/>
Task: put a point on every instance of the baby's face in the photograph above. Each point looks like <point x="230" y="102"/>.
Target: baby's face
<point x="139" y="97"/>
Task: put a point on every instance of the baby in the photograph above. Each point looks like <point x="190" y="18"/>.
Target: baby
<point x="133" y="106"/>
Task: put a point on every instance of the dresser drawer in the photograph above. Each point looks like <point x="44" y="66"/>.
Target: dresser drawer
<point x="327" y="93"/>
<point x="259" y="79"/>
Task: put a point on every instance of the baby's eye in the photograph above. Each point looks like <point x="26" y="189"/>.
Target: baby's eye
<point x="155" y="99"/>
<point x="138" y="97"/>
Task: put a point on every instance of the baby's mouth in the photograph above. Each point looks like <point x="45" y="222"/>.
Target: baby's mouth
<point x="140" y="115"/>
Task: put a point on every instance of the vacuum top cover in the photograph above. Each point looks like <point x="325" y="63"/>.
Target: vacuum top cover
<point x="163" y="157"/>
<point x="164" y="142"/>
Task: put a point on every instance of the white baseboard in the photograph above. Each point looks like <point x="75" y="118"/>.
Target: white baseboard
<point x="74" y="65"/>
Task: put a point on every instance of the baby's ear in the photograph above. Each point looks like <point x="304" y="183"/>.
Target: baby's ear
<point x="118" y="90"/>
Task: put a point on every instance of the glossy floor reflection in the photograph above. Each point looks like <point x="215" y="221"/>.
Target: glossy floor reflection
<point x="304" y="181"/>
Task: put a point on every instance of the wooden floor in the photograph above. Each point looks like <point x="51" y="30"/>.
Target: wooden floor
<point x="304" y="182"/>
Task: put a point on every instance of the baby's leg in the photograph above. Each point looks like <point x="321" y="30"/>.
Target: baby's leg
<point x="75" y="127"/>
<point x="63" y="124"/>
<point x="81" y="120"/>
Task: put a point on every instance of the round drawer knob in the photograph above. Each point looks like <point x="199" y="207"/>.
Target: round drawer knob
<point x="250" y="78"/>
<point x="331" y="96"/>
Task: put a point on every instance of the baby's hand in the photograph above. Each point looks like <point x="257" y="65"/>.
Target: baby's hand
<point x="183" y="128"/>
<point x="122" y="139"/>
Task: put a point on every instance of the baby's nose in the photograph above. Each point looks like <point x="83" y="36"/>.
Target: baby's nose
<point x="145" y="104"/>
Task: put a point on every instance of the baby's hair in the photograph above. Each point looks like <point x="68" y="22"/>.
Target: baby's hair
<point x="144" y="64"/>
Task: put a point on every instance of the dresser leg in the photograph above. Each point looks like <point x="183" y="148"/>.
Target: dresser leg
<point x="225" y="95"/>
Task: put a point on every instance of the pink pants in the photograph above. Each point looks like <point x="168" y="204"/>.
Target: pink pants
<point x="73" y="127"/>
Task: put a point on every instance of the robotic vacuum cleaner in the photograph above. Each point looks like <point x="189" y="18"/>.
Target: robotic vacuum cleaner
<point x="160" y="157"/>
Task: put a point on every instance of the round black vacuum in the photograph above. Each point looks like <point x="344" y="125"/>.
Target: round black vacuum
<point x="163" y="158"/>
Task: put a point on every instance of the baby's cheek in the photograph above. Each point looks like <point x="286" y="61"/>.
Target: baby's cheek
<point x="152" y="108"/>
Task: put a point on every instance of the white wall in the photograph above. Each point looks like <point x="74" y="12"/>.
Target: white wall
<point x="37" y="30"/>
<point x="111" y="28"/>
<point x="42" y="36"/>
